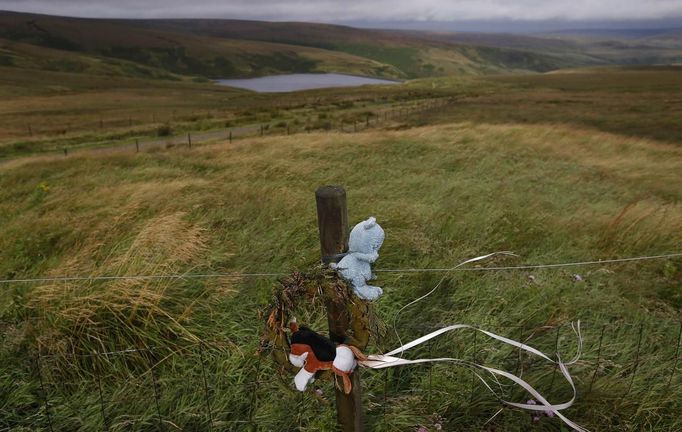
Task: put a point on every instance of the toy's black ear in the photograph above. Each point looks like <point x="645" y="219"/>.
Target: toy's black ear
<point x="323" y="348"/>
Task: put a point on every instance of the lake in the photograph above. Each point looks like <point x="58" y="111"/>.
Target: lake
<point x="302" y="81"/>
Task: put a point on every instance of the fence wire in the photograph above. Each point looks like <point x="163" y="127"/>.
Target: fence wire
<point x="209" y="385"/>
<point x="276" y="274"/>
<point x="204" y="386"/>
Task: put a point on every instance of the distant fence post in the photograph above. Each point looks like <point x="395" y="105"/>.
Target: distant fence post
<point x="137" y="145"/>
<point x="189" y="139"/>
<point x="230" y="137"/>
<point x="332" y="218"/>
<point x="66" y="151"/>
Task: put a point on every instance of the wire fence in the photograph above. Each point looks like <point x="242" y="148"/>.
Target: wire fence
<point x="191" y="138"/>
<point x="206" y="386"/>
<point x="380" y="270"/>
<point x="226" y="385"/>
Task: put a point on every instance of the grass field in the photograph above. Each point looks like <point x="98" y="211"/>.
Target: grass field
<point x="52" y="110"/>
<point x="570" y="165"/>
<point x="49" y="111"/>
<point x="633" y="101"/>
<point x="558" y="167"/>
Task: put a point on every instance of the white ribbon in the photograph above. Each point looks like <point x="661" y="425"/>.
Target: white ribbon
<point x="470" y="260"/>
<point x="389" y="360"/>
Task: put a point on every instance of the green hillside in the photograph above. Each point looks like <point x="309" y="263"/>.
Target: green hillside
<point x="226" y="48"/>
<point x="233" y="48"/>
<point x="96" y="41"/>
<point x="416" y="54"/>
<point x="584" y="47"/>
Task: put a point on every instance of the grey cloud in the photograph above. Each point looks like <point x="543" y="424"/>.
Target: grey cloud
<point x="361" y="10"/>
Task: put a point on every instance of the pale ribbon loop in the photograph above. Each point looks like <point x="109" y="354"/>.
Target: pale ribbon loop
<point x="387" y="360"/>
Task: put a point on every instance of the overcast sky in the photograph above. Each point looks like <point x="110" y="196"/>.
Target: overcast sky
<point x="365" y="10"/>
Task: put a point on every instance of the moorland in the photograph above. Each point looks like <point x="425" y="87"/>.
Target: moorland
<point x="559" y="150"/>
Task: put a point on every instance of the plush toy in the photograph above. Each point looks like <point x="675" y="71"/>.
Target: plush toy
<point x="363" y="249"/>
<point x="313" y="352"/>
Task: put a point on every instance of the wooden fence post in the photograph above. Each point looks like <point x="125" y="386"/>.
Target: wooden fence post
<point x="332" y="218"/>
<point x="189" y="140"/>
<point x="137" y="145"/>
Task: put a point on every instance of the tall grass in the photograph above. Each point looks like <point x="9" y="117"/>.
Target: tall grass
<point x="442" y="193"/>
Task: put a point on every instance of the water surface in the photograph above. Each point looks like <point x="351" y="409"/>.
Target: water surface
<point x="302" y="81"/>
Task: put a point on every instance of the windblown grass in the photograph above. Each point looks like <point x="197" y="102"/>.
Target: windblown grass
<point x="442" y="193"/>
<point x="637" y="101"/>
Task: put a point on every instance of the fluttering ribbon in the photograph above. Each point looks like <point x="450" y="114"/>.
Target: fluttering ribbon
<point x="382" y="361"/>
<point x="390" y="360"/>
<point x="440" y="282"/>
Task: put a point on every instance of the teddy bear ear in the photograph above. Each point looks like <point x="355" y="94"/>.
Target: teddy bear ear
<point x="293" y="325"/>
<point x="370" y="223"/>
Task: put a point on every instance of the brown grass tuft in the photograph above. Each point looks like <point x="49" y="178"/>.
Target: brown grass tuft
<point x="83" y="315"/>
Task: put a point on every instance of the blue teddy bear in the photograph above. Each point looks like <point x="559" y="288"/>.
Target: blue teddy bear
<point x="365" y="241"/>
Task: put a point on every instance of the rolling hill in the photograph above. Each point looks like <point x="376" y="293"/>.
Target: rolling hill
<point x="24" y="39"/>
<point x="169" y="49"/>
<point x="586" y="47"/>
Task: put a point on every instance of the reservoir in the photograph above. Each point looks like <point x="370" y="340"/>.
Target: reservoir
<point x="302" y="81"/>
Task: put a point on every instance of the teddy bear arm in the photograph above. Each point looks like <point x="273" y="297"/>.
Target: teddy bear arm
<point x="367" y="257"/>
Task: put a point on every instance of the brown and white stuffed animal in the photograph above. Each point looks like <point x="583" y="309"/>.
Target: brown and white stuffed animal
<point x="313" y="352"/>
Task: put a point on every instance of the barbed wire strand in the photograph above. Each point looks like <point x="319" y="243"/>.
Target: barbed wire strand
<point x="272" y="274"/>
<point x="528" y="267"/>
<point x="141" y="277"/>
